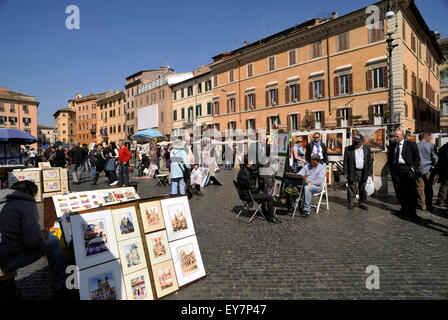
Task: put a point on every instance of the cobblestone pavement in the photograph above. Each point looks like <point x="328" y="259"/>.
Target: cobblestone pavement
<point x="322" y="257"/>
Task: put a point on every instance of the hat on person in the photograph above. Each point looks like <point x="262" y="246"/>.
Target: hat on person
<point x="358" y="138"/>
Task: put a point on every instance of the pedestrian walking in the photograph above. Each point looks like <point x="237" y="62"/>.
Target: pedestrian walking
<point x="358" y="167"/>
<point x="123" y="164"/>
<point x="428" y="160"/>
<point x="100" y="161"/>
<point x="111" y="164"/>
<point x="77" y="155"/>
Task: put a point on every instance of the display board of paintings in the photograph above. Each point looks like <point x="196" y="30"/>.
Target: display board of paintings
<point x="335" y="140"/>
<point x="110" y="250"/>
<point x="375" y="137"/>
<point x="10" y="154"/>
<point x="113" y="196"/>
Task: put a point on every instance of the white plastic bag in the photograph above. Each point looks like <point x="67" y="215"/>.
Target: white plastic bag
<point x="370" y="187"/>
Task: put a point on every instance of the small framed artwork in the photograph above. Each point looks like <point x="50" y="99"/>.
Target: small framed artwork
<point x="177" y="216"/>
<point x="63" y="173"/>
<point x="281" y="164"/>
<point x="64" y="185"/>
<point x="158" y="247"/>
<point x="151" y="213"/>
<point x="164" y="278"/>
<point x="276" y="189"/>
<point x="130" y="194"/>
<point x="93" y="238"/>
<point x="50" y="174"/>
<point x="138" y="286"/>
<point x="44" y="165"/>
<point x="126" y="223"/>
<point x="132" y="255"/>
<point x="103" y="282"/>
<point x="52" y="185"/>
<point x="187" y="260"/>
<point x="106" y="197"/>
<point x="119" y="195"/>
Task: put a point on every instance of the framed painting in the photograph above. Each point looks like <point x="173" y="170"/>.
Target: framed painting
<point x="126" y="223"/>
<point x="44" y="165"/>
<point x="283" y="143"/>
<point x="103" y="282"/>
<point x="50" y="174"/>
<point x="132" y="255"/>
<point x="64" y="174"/>
<point x="158" y="247"/>
<point x="177" y="216"/>
<point x="130" y="194"/>
<point x="165" y="281"/>
<point x="52" y="185"/>
<point x="375" y="137"/>
<point x="187" y="260"/>
<point x="152" y="217"/>
<point x="281" y="166"/>
<point x="93" y="238"/>
<point x="276" y="188"/>
<point x="138" y="285"/>
<point x="107" y="197"/>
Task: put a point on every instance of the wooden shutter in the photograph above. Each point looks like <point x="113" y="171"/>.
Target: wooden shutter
<point x="322" y="83"/>
<point x="299" y="121"/>
<point x="336" y="86"/>
<point x="255" y="124"/>
<point x="255" y="105"/>
<point x="298" y="92"/>
<point x="311" y="90"/>
<point x="247" y="124"/>
<point x="228" y="105"/>
<point x="322" y="119"/>
<point x="350" y="83"/>
<point x="268" y="127"/>
<point x="338" y="121"/>
<point x="217" y="107"/>
<point x="267" y="98"/>
<point x="276" y="96"/>
<point x="371" y="114"/>
<point x="286" y="94"/>
<point x="385" y="77"/>
<point x="246" y="102"/>
<point x="350" y="113"/>
<point x="405" y="76"/>
<point x="288" y="122"/>
<point x="369" y="80"/>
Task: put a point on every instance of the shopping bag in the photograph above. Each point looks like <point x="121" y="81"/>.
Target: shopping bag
<point x="370" y="187"/>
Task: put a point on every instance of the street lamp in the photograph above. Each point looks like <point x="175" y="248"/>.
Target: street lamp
<point x="390" y="14"/>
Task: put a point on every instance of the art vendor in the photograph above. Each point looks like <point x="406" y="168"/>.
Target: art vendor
<point x="22" y="242"/>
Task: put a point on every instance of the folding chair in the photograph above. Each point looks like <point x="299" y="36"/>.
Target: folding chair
<point x="320" y="195"/>
<point x="162" y="180"/>
<point x="247" y="205"/>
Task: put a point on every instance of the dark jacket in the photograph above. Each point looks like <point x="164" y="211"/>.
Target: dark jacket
<point x="19" y="227"/>
<point x="350" y="163"/>
<point x="247" y="180"/>
<point x="100" y="160"/>
<point x="410" y="154"/>
<point x="441" y="169"/>
<point x="77" y="154"/>
<point x="59" y="159"/>
<point x="309" y="152"/>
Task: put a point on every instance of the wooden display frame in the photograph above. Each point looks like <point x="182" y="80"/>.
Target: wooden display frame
<point x="50" y="217"/>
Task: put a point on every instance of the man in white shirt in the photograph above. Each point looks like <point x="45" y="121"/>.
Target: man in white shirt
<point x="358" y="166"/>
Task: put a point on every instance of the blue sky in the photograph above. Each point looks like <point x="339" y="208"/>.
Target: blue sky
<point x="39" y="56"/>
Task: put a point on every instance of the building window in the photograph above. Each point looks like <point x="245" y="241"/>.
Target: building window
<point x="318" y="89"/>
<point x="316" y="49"/>
<point x="182" y="93"/>
<point x="215" y="80"/>
<point x="251" y="124"/>
<point x="12" y="109"/>
<point x="250" y="70"/>
<point x="190" y="114"/>
<point x="445" y="108"/>
<point x="175" y="95"/>
<point x="294" y="92"/>
<point x="378" y="78"/>
<point x="413" y="42"/>
<point x="273" y="97"/>
<point x="231" y="105"/>
<point x="250" y="101"/>
<point x="199" y="110"/>
<point x="342" y="41"/>
<point x="208" y="85"/>
<point x="292" y="57"/>
<point x="294" y="123"/>
<point x="209" y="108"/>
<point x="182" y="112"/>
<point x="405" y="76"/>
<point x="190" y="91"/>
<point x="376" y="34"/>
<point x="343" y="81"/>
<point x="25" y="109"/>
<point x="231" y="76"/>
<point x="216" y="111"/>
<point x="378" y="109"/>
<point x="271" y="63"/>
<point x="175" y="115"/>
<point x="162" y="94"/>
<point x="199" y="87"/>
<point x="162" y="116"/>
<point x="232" y="125"/>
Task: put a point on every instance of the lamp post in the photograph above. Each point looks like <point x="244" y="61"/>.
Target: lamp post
<point x="390" y="14"/>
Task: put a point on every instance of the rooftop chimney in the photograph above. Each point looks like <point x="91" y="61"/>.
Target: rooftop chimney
<point x="334" y="15"/>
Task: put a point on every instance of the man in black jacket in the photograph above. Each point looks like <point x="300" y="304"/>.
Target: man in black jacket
<point x="317" y="147"/>
<point x="441" y="173"/>
<point x="77" y="155"/>
<point x="403" y="159"/>
<point x="99" y="161"/>
<point x="358" y="166"/>
<point x="247" y="181"/>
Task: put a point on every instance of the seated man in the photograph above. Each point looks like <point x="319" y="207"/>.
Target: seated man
<point x="315" y="174"/>
<point x="21" y="240"/>
<point x="247" y="181"/>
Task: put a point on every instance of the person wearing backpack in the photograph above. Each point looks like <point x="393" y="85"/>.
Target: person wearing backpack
<point x="180" y="165"/>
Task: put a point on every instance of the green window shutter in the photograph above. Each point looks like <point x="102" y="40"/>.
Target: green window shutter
<point x="209" y="108"/>
<point x="183" y="113"/>
<point x="175" y="115"/>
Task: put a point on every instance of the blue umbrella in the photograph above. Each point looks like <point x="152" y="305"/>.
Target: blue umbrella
<point x="148" y="133"/>
<point x="16" y="136"/>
